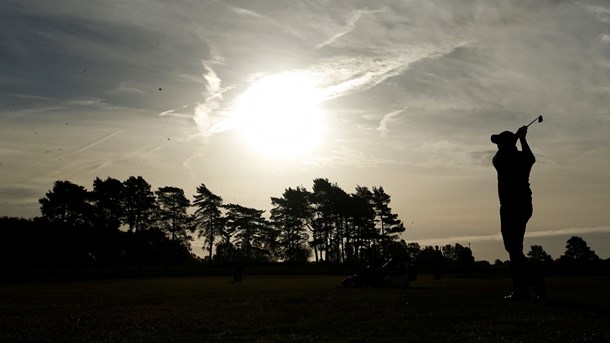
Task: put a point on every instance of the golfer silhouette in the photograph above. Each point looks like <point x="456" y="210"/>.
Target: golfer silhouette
<point x="513" y="168"/>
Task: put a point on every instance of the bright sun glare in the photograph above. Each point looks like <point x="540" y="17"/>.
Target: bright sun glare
<point x="280" y="115"/>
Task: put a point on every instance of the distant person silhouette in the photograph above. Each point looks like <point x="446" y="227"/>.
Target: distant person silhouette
<point x="513" y="168"/>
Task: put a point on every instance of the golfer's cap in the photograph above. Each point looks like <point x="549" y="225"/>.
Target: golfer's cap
<point x="505" y="136"/>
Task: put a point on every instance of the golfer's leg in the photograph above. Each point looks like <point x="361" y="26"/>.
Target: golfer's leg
<point x="512" y="229"/>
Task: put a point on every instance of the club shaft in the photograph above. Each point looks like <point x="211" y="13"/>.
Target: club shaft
<point x="533" y="121"/>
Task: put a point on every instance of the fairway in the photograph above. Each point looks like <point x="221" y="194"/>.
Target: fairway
<point x="300" y="309"/>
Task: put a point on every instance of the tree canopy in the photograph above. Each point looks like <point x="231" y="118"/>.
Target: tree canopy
<point x="326" y="223"/>
<point x="578" y="252"/>
<point x="120" y="222"/>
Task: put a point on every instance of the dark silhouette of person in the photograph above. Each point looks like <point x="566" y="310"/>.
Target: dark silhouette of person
<point x="513" y="168"/>
<point x="238" y="265"/>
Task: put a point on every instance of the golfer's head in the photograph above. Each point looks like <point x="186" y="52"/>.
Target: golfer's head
<point x="504" y="139"/>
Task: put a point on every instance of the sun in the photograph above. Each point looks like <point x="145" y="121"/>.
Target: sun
<point x="280" y="115"/>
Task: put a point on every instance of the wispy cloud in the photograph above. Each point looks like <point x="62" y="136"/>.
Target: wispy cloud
<point x="125" y="88"/>
<point x="601" y="13"/>
<point x="187" y="163"/>
<point x="451" y="155"/>
<point x="345" y="75"/>
<point x="100" y="141"/>
<point x="349" y="26"/>
<point x="348" y="157"/>
<point x="244" y="11"/>
<point x="173" y="113"/>
<point x="336" y="77"/>
<point x="209" y="115"/>
<point x="21" y="199"/>
<point x="20" y="193"/>
<point x="568" y="231"/>
<point x="386" y="120"/>
<point x="528" y="234"/>
<point x="259" y="17"/>
<point x="91" y="164"/>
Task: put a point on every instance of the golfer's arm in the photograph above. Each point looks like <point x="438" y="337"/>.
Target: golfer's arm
<point x="526" y="148"/>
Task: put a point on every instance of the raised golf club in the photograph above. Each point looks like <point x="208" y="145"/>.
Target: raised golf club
<point x="539" y="119"/>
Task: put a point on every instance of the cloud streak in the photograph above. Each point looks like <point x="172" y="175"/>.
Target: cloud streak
<point x="383" y="128"/>
<point x="100" y="141"/>
<point x="210" y="116"/>
<point x="528" y="234"/>
<point x="349" y="26"/>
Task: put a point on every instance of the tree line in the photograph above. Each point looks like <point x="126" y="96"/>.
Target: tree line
<point x="128" y="223"/>
<point x="120" y="222"/>
<point x="577" y="257"/>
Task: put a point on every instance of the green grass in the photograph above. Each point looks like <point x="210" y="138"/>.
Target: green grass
<point x="300" y="309"/>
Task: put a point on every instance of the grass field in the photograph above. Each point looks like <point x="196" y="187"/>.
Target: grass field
<point x="300" y="309"/>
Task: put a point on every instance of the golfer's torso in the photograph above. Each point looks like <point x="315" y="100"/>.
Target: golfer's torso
<point x="513" y="169"/>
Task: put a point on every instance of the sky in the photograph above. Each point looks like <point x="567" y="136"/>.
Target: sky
<point x="252" y="97"/>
